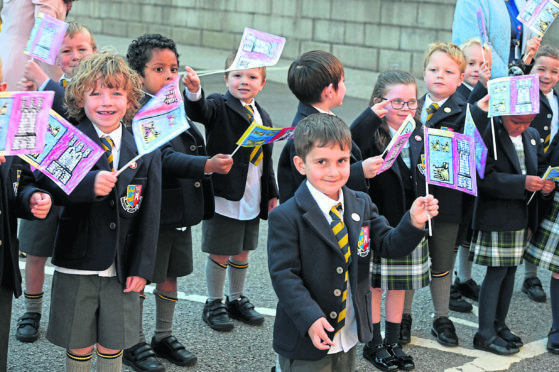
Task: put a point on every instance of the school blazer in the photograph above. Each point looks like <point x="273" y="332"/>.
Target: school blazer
<point x="542" y="121"/>
<point x="502" y="199"/>
<point x="387" y="189"/>
<point x="95" y="232"/>
<point x="16" y="185"/>
<point x="307" y="267"/>
<point x="289" y="177"/>
<point x="187" y="196"/>
<point x="225" y="120"/>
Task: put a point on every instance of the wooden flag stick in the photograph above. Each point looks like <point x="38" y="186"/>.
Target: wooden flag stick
<point x="128" y="164"/>
<point x="493" y="135"/>
<point x="428" y="215"/>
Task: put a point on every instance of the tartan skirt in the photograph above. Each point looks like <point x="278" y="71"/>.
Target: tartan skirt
<point x="499" y="248"/>
<point x="543" y="248"/>
<point x="408" y="272"/>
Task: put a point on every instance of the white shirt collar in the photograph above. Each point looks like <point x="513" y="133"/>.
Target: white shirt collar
<point x="324" y="202"/>
<point x="116" y="136"/>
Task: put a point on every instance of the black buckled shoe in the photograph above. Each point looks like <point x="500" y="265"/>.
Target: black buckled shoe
<point x="495" y="345"/>
<point x="405" y="329"/>
<point x="457" y="303"/>
<point x="28" y="327"/>
<point x="216" y="316"/>
<point x="469" y="289"/>
<point x="403" y="360"/>
<point x="533" y="289"/>
<point x="243" y="310"/>
<point x="552" y="347"/>
<point x="380" y="357"/>
<point x="443" y="329"/>
<point x="142" y="358"/>
<point x="505" y="333"/>
<point x="171" y="349"/>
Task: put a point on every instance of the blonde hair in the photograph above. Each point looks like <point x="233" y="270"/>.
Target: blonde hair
<point x="468" y="43"/>
<point x="450" y="49"/>
<point x="76" y="27"/>
<point x="231" y="58"/>
<point x="113" y="72"/>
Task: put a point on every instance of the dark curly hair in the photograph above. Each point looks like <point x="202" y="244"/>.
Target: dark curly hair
<point x="140" y="50"/>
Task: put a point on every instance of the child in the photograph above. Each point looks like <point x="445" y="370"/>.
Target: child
<point x="316" y="78"/>
<point x="187" y="198"/>
<point x="394" y="97"/>
<point x="18" y="199"/>
<point x="500" y="242"/>
<point x="243" y="196"/>
<point x="476" y="70"/>
<point x="37" y="237"/>
<point x="319" y="260"/>
<point x="105" y="244"/>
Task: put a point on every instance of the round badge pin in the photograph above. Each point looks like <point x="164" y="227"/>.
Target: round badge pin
<point x="355" y="217"/>
<point x="418" y="138"/>
<point x="533" y="142"/>
<point x="133" y="165"/>
<point x="447" y="109"/>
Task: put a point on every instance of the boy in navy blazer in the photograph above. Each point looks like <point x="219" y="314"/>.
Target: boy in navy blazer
<point x="319" y="318"/>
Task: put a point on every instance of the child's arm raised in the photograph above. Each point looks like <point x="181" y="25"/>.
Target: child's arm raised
<point x="191" y="80"/>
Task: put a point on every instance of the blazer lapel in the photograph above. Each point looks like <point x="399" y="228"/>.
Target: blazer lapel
<point x="509" y="149"/>
<point x="353" y="219"/>
<point x="87" y="128"/>
<point x="530" y="153"/>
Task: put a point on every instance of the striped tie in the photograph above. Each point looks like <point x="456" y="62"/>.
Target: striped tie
<point x="433" y="107"/>
<point x="340" y="231"/>
<point x="64" y="82"/>
<point x="256" y="155"/>
<point x="108" y="145"/>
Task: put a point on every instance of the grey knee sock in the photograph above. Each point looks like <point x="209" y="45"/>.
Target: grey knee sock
<point x="236" y="276"/>
<point x="109" y="362"/>
<point x="142" y="336"/>
<point x="215" y="278"/>
<point x="530" y="270"/>
<point x="165" y="303"/>
<point x="33" y="302"/>
<point x="408" y="301"/>
<point x="440" y="293"/>
<point x="77" y="363"/>
<point x="464" y="267"/>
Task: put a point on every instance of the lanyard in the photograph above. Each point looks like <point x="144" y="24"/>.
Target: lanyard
<point x="513" y="13"/>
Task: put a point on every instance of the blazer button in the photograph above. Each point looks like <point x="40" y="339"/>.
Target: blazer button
<point x="333" y="315"/>
<point x="541" y="140"/>
<point x="549" y="116"/>
<point x="546" y="128"/>
<point x="112" y="226"/>
<point x="112" y="203"/>
<point x="192" y="148"/>
<point x="197" y="184"/>
<point x="337" y="293"/>
<point x="340" y="270"/>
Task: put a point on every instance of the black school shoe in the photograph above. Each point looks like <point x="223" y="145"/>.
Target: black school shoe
<point x="457" y="303"/>
<point x="28" y="327"/>
<point x="443" y="329"/>
<point x="172" y="350"/>
<point x="552" y="347"/>
<point x="405" y="329"/>
<point x="493" y="345"/>
<point x="469" y="289"/>
<point x="241" y="309"/>
<point x="380" y="357"/>
<point x="403" y="360"/>
<point x="142" y="358"/>
<point x="533" y="289"/>
<point x="505" y="333"/>
<point x="216" y="316"/>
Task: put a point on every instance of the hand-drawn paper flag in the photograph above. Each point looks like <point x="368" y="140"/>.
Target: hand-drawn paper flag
<point x="552" y="173"/>
<point x="481" y="26"/>
<point x="160" y="120"/>
<point x="257" y="135"/>
<point x="470" y="130"/>
<point x="538" y="15"/>
<point x="397" y="143"/>
<point x="450" y="160"/>
<point x="46" y="38"/>
<point x="24" y="117"/>
<point x="68" y="154"/>
<point x="514" y="95"/>
<point x="257" y="49"/>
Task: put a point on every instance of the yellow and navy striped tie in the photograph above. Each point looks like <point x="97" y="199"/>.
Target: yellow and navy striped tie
<point x="256" y="155"/>
<point x="108" y="145"/>
<point x="340" y="231"/>
<point x="433" y="107"/>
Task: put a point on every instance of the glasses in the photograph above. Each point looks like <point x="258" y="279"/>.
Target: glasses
<point x="398" y="104"/>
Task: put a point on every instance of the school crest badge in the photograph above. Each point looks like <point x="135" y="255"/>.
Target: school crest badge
<point x="16" y="184"/>
<point x="131" y="202"/>
<point x="363" y="246"/>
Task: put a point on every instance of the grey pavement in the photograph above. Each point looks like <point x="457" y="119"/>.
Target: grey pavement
<point x="249" y="348"/>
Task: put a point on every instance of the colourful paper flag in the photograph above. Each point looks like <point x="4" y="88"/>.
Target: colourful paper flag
<point x="397" y="143"/>
<point x="538" y="15"/>
<point x="257" y="135"/>
<point x="257" y="49"/>
<point x="450" y="160"/>
<point x="24" y="117"/>
<point x="46" y="38"/>
<point x="470" y="130"/>
<point x="68" y="154"/>
<point x="514" y="95"/>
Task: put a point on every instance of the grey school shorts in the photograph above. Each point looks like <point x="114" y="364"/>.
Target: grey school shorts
<point x="174" y="254"/>
<point x="89" y="309"/>
<point x="37" y="237"/>
<point x="226" y="236"/>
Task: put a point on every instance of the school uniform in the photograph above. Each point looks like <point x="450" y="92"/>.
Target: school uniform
<point x="289" y="177"/>
<point x="308" y="268"/>
<point x="464" y="90"/>
<point x="393" y="192"/>
<point x="99" y="234"/>
<point x="542" y="121"/>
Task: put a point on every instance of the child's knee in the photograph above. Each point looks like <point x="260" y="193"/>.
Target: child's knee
<point x="106" y="351"/>
<point x="81" y="352"/>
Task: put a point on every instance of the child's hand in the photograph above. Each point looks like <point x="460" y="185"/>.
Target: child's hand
<point x="486" y="50"/>
<point x="534" y="183"/>
<point x="485" y="74"/>
<point x="104" y="183"/>
<point x="2" y="159"/>
<point x="318" y="336"/>
<point x="26" y="85"/>
<point x="40" y="204"/>
<point x="134" y="284"/>
<point x="371" y="166"/>
<point x="531" y="49"/>
<point x="422" y="209"/>
<point x="34" y="73"/>
<point x="380" y="107"/>
<point x="219" y="164"/>
<point x="484" y="103"/>
<point x="272" y="203"/>
<point x="548" y="186"/>
<point x="191" y="80"/>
